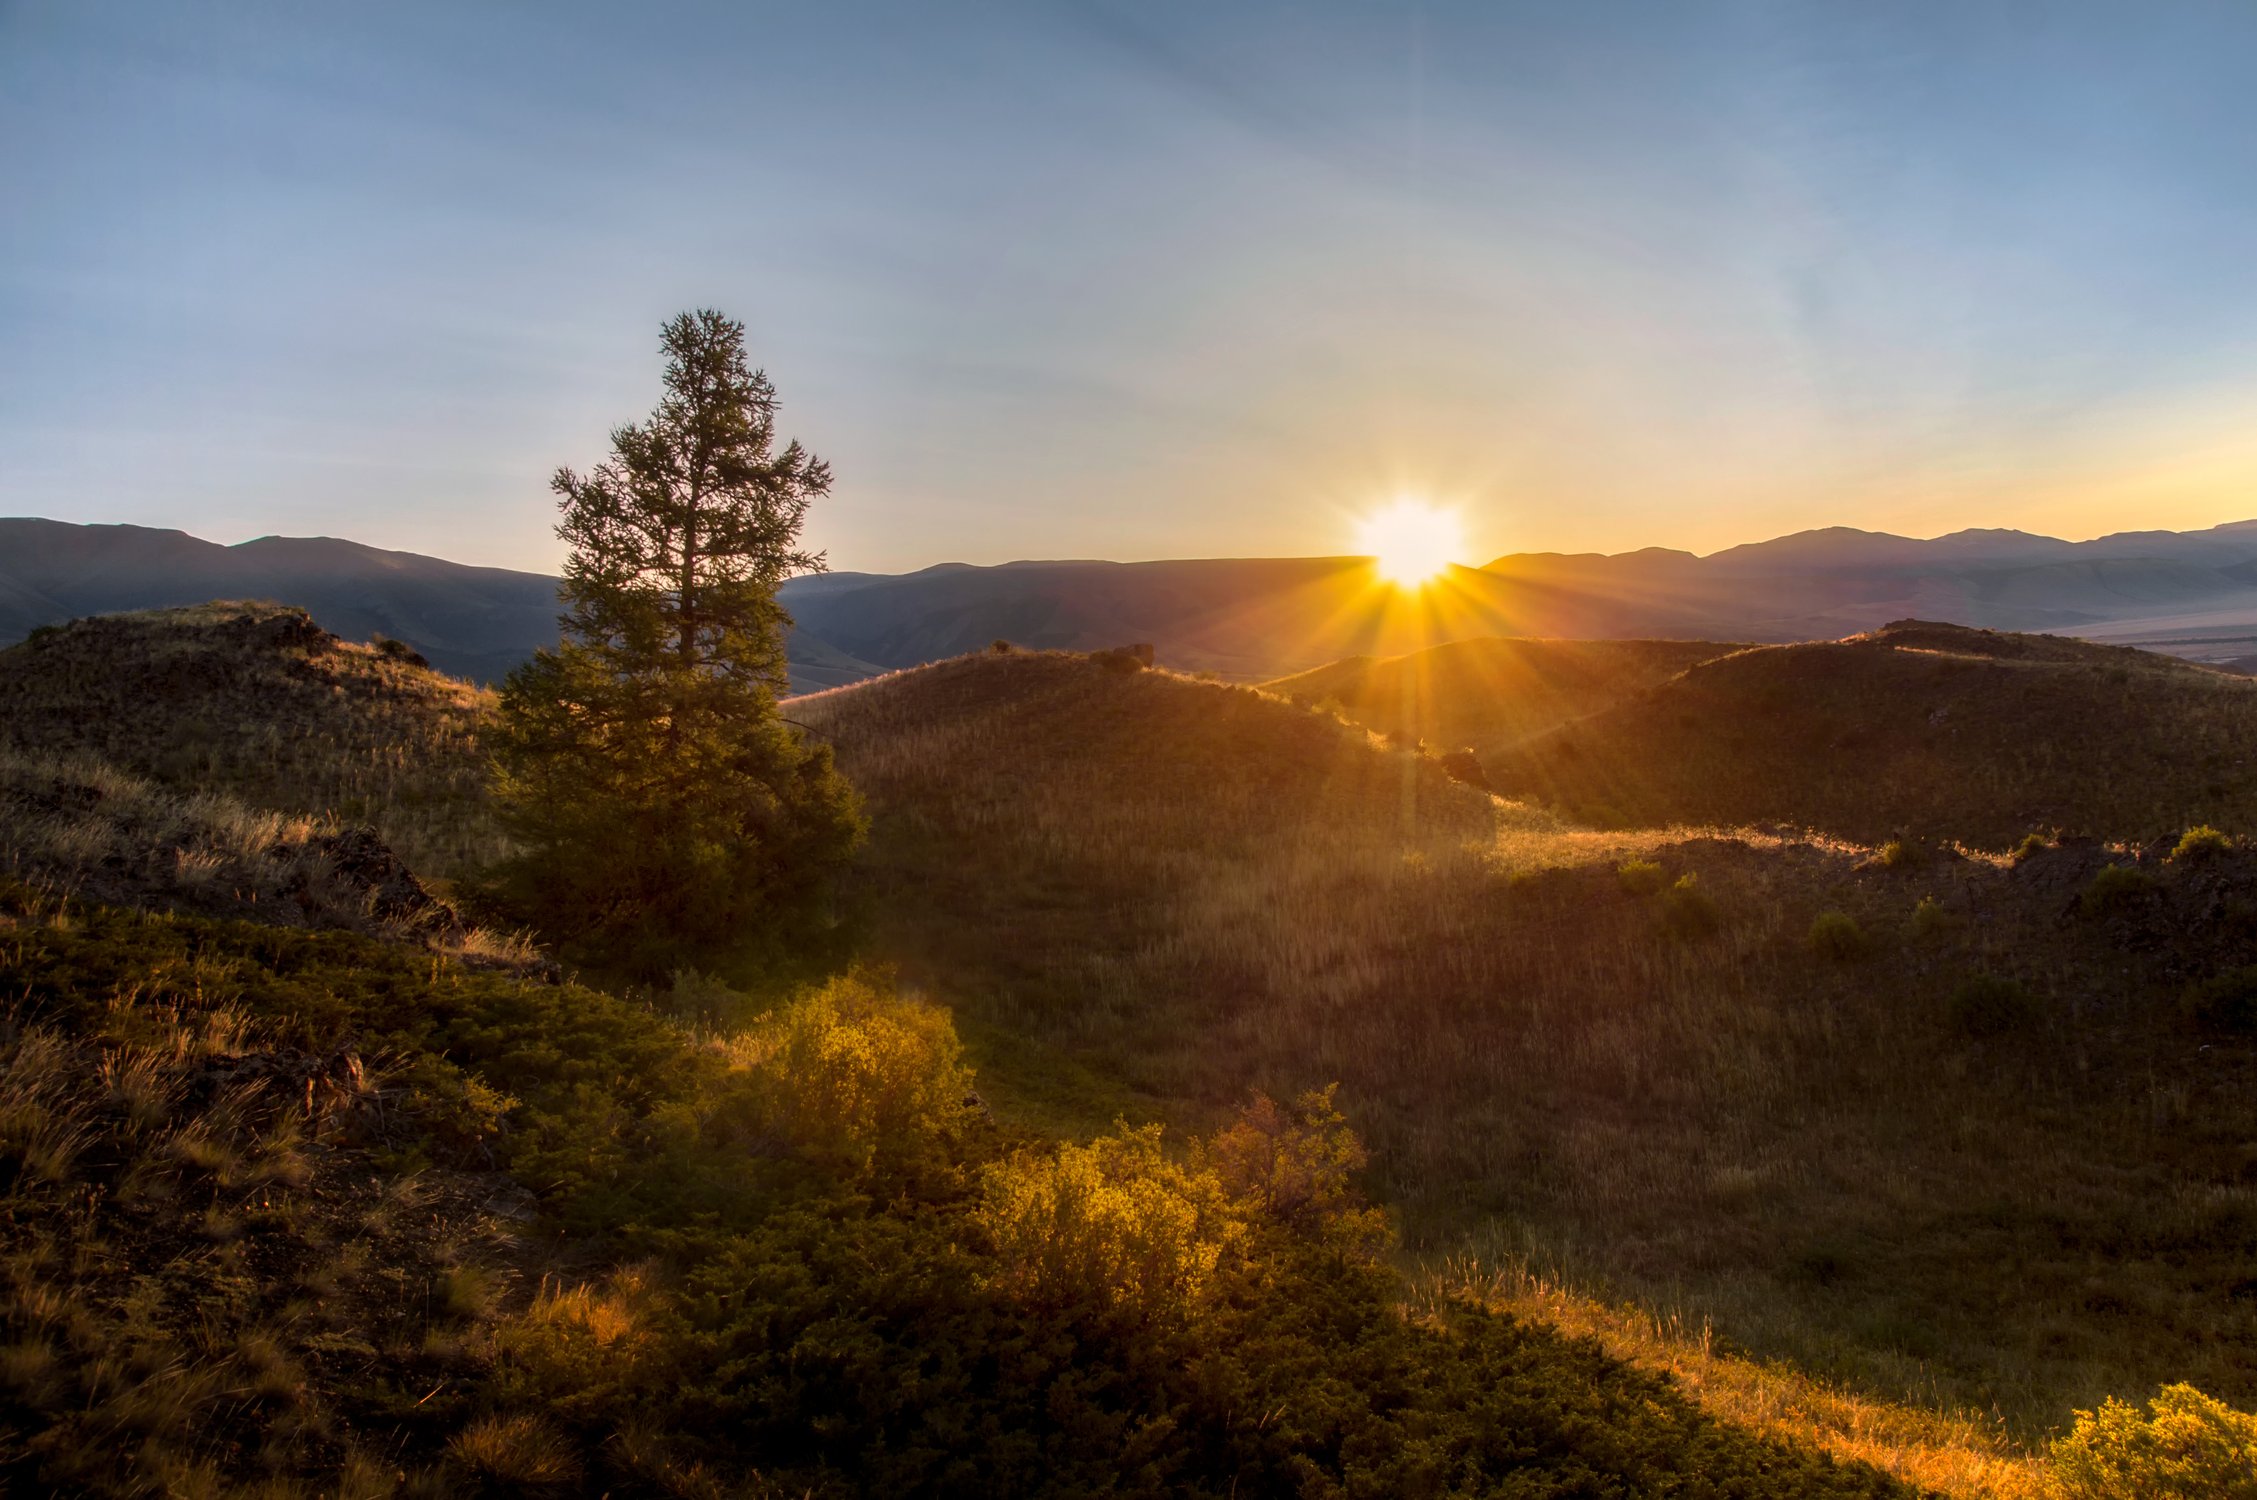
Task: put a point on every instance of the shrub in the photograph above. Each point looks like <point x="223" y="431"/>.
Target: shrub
<point x="1835" y="935"/>
<point x="1897" y="854"/>
<point x="1296" y="1167"/>
<point x="2115" y="890"/>
<point x="848" y="1075"/>
<point x="2200" y="844"/>
<point x="1120" y="662"/>
<point x="2188" y="1447"/>
<point x="1113" y="1224"/>
<point x="1642" y="877"/>
<point x="2033" y="844"/>
<point x="1988" y="1005"/>
<point x="399" y="651"/>
<point x="1929" y="919"/>
<point x="1001" y="647"/>
<point x="2227" y="1001"/>
<point x="1687" y="910"/>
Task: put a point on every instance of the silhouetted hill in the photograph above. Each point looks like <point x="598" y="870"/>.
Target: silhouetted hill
<point x="475" y="623"/>
<point x="1922" y="729"/>
<point x="1246" y="618"/>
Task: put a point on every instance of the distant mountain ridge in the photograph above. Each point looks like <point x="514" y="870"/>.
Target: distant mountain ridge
<point x="1248" y="618"/>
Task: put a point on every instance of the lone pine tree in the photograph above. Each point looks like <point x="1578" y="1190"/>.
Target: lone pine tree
<point x="665" y="810"/>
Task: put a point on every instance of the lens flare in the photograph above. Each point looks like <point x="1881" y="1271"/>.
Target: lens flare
<point x="1411" y="540"/>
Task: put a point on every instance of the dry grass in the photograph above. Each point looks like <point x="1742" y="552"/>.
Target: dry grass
<point x="1489" y="695"/>
<point x="1148" y="894"/>
<point x="186" y="1277"/>
<point x="1928" y="1445"/>
<point x="1918" y="729"/>
<point x="77" y="827"/>
<point x="257" y="703"/>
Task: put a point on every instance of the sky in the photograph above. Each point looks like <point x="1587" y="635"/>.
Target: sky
<point x="1140" y="280"/>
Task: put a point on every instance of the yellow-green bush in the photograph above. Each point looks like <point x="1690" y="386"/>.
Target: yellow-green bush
<point x="2200" y="843"/>
<point x="2187" y="1447"/>
<point x="849" y="1074"/>
<point x="1114" y="1223"/>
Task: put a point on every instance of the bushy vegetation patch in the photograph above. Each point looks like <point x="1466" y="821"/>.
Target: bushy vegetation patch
<point x="1836" y="937"/>
<point x="2186" y="1446"/>
<point x="1642" y="877"/>
<point x="1689" y="911"/>
<point x="291" y="1172"/>
<point x="2200" y="844"/>
<point x="2117" y="890"/>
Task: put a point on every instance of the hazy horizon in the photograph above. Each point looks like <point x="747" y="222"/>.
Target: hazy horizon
<point x="1141" y="283"/>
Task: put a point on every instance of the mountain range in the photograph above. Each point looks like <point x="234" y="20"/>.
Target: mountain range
<point x="2194" y="593"/>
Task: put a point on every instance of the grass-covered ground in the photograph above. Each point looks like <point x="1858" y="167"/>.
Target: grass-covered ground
<point x="257" y="703"/>
<point x="1924" y="730"/>
<point x="300" y="1213"/>
<point x="1935" y="1128"/>
<point x="1879" y="1150"/>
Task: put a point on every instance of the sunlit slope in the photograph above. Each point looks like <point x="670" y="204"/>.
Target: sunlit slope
<point x="258" y="702"/>
<point x="1918" y="729"/>
<point x="1148" y="892"/>
<point x="1489" y="695"/>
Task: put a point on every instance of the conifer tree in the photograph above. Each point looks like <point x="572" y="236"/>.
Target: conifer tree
<point x="665" y="811"/>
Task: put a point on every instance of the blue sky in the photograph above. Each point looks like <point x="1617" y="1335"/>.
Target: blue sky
<point x="1140" y="280"/>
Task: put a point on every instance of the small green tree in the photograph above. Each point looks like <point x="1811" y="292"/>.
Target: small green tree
<point x="664" y="807"/>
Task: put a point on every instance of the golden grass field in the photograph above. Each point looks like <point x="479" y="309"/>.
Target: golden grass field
<point x="1167" y="892"/>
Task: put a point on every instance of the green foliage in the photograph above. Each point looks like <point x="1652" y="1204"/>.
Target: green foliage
<point x="1835" y="936"/>
<point x="665" y="808"/>
<point x="2188" y="1446"/>
<point x="2200" y="844"/>
<point x="1898" y="854"/>
<point x="858" y="1079"/>
<point x="2226" y="1001"/>
<point x="2116" y="890"/>
<point x="1989" y="1005"/>
<point x="1642" y="877"/>
<point x="1114" y="1224"/>
<point x="2031" y="845"/>
<point x="1929" y="919"/>
<point x="1298" y="1167"/>
<point x="1688" y="911"/>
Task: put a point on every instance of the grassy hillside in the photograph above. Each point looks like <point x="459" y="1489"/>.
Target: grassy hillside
<point x="1925" y="730"/>
<point x="1942" y="1129"/>
<point x="1489" y="695"/>
<point x="256" y="702"/>
<point x="297" y="1213"/>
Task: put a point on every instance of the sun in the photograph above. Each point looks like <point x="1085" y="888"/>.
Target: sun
<point x="1411" y="540"/>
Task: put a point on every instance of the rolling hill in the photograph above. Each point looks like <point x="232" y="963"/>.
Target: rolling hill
<point x="1920" y="730"/>
<point x="1488" y="695"/>
<point x="257" y="703"/>
<point x="1938" y="1129"/>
